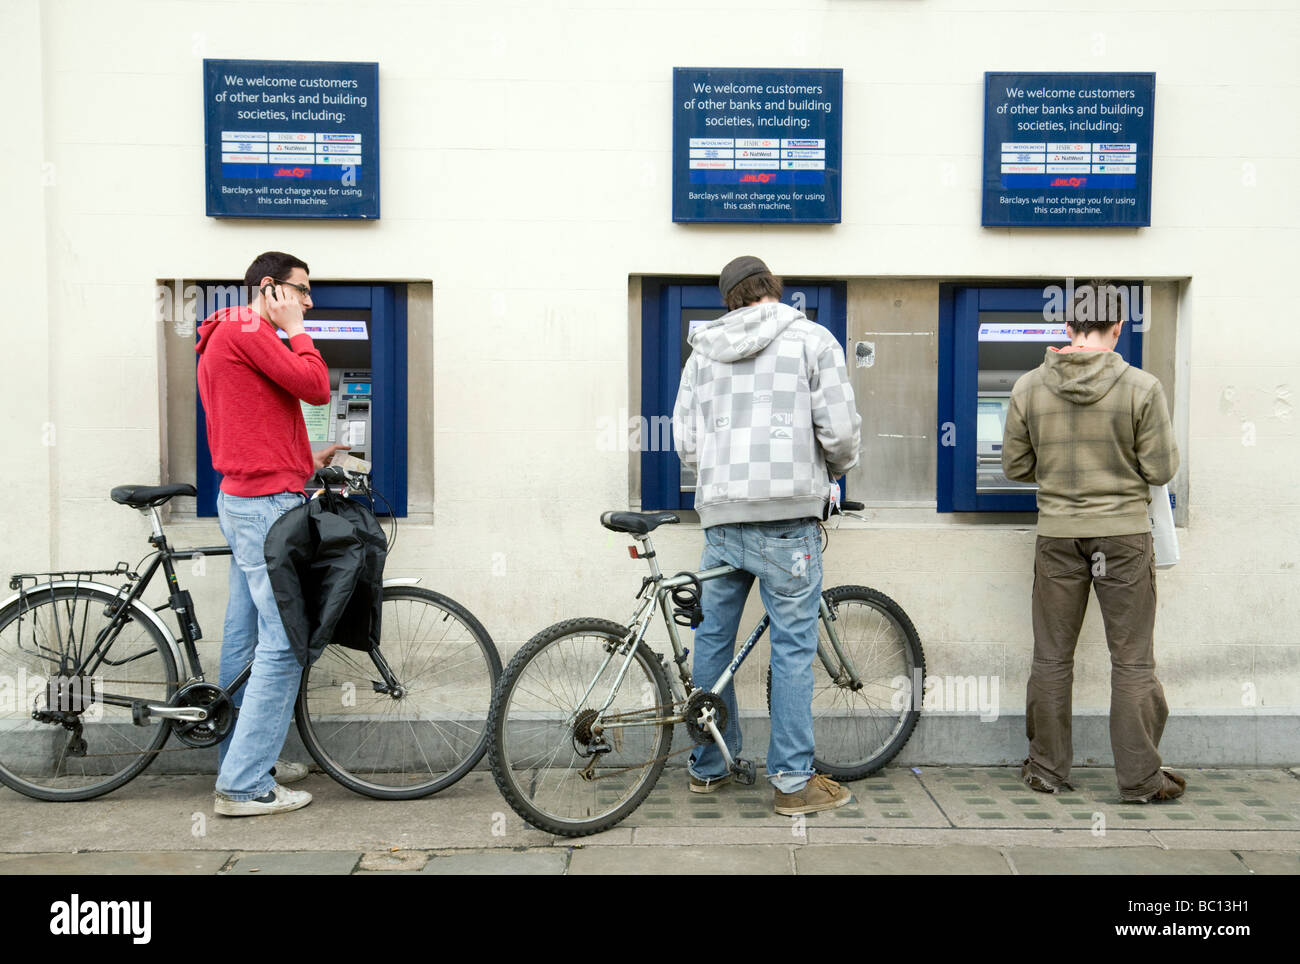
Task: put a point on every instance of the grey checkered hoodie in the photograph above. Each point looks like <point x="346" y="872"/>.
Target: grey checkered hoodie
<point x="764" y="410"/>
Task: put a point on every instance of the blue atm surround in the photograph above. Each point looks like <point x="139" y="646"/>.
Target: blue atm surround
<point x="662" y="304"/>
<point x="387" y="307"/>
<point x="959" y="308"/>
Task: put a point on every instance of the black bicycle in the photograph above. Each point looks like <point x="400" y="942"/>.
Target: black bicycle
<point x="93" y="681"/>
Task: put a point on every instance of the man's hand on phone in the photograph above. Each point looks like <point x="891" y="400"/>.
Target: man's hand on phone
<point x="283" y="308"/>
<point x="322" y="458"/>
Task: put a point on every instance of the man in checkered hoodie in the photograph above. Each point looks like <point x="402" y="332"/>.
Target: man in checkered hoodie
<point x="766" y="415"/>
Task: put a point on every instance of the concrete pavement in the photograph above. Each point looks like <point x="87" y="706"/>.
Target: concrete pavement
<point x="933" y="820"/>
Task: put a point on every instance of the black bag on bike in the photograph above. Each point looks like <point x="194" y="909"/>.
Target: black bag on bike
<point x="325" y="560"/>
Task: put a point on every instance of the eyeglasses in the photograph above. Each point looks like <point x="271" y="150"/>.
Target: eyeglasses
<point x="304" y="290"/>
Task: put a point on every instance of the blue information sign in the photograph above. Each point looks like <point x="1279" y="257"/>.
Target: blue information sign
<point x="1068" y="150"/>
<point x="757" y="145"/>
<point x="291" y="139"/>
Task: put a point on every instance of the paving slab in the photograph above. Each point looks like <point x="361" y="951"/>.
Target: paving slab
<point x="1242" y="840"/>
<point x="891" y="798"/>
<point x="1272" y="862"/>
<point x="980" y="837"/>
<point x="620" y="836"/>
<point x="786" y="832"/>
<point x="648" y="861"/>
<point x="497" y="862"/>
<point x="174" y="812"/>
<point x="120" y="862"/>
<point x="317" y="862"/>
<point x="900" y="860"/>
<point x="1123" y="860"/>
<point x="1215" y="800"/>
<point x="394" y="861"/>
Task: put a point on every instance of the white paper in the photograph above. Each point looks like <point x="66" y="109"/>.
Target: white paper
<point x="1163" y="534"/>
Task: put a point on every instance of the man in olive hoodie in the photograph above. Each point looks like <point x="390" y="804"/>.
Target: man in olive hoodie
<point x="1094" y="433"/>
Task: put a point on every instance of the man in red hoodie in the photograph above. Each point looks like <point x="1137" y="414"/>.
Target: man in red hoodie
<point x="251" y="382"/>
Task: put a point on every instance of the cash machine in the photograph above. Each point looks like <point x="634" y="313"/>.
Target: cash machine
<point x="671" y="311"/>
<point x="343" y="340"/>
<point x="988" y="338"/>
<point x="360" y="332"/>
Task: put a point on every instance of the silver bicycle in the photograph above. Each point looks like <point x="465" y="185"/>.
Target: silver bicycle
<point x="583" y="716"/>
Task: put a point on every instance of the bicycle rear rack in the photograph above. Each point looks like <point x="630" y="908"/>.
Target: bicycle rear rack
<point x="18" y="581"/>
<point x="25" y="583"/>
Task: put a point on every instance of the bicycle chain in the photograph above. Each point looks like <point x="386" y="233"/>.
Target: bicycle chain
<point x="673" y="707"/>
<point x="173" y="749"/>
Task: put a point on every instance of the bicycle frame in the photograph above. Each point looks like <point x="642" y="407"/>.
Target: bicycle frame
<point x="188" y="662"/>
<point x="836" y="660"/>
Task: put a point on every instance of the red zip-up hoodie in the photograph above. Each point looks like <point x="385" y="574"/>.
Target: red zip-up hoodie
<point x="250" y="382"/>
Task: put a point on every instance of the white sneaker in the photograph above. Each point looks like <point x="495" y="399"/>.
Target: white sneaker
<point x="279" y="800"/>
<point x="286" y="771"/>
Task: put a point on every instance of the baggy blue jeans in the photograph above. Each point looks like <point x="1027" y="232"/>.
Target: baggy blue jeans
<point x="786" y="558"/>
<point x="254" y="634"/>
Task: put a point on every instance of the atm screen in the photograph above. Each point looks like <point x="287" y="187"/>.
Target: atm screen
<point x="317" y="420"/>
<point x="342" y="336"/>
<point x="991" y="423"/>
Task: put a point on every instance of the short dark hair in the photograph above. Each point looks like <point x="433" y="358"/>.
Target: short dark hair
<point x="1109" y="306"/>
<point x="754" y="289"/>
<point x="272" y="264"/>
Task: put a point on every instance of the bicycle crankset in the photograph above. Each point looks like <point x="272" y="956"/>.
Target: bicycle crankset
<point x="703" y="708"/>
<point x="221" y="714"/>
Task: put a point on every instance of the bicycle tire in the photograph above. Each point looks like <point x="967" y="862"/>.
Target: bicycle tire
<point x="535" y="715"/>
<point x="38" y="759"/>
<point x="436" y="731"/>
<point x="857" y="733"/>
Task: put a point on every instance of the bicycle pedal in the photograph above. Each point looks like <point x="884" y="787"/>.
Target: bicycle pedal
<point x="743" y="771"/>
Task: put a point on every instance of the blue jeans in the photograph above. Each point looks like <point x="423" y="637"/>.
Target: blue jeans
<point x="787" y="559"/>
<point x="254" y="634"/>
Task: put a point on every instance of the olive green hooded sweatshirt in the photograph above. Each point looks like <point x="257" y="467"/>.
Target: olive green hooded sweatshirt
<point x="1093" y="432"/>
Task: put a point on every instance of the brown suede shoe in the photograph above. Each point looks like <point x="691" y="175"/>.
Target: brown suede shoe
<point x="820" y="793"/>
<point x="1175" y="784"/>
<point x="1035" y="782"/>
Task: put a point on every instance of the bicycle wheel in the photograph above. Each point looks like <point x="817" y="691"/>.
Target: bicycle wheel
<point x="857" y="732"/>
<point x="82" y="747"/>
<point x="547" y="717"/>
<point x="421" y="738"/>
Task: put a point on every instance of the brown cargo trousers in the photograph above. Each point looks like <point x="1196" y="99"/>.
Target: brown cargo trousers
<point x="1123" y="571"/>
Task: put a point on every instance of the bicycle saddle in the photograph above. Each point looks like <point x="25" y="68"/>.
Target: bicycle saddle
<point x="639" y="523"/>
<point x="144" y="496"/>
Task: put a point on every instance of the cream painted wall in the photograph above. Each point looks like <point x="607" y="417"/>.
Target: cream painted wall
<point x="526" y="174"/>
